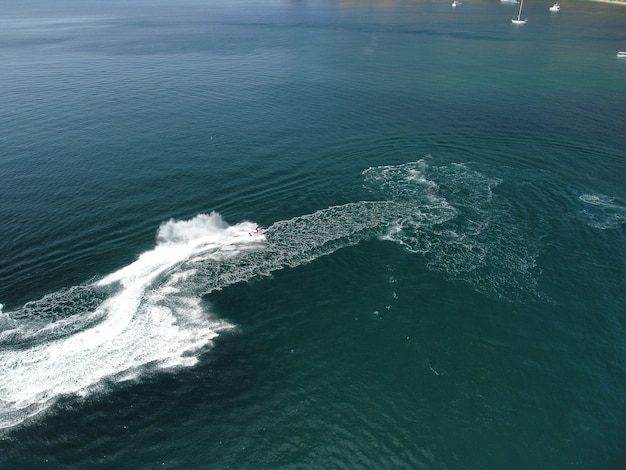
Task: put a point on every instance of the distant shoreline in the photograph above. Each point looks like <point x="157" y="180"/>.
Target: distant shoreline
<point x="617" y="2"/>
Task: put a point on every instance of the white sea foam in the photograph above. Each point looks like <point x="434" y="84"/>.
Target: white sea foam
<point x="153" y="317"/>
<point x="451" y="216"/>
<point x="602" y="212"/>
<point x="149" y="314"/>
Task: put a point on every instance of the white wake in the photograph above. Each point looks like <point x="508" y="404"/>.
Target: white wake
<point x="150" y="314"/>
<point x="151" y="318"/>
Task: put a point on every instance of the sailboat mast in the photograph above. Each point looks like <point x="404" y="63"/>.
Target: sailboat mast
<point x="519" y="19"/>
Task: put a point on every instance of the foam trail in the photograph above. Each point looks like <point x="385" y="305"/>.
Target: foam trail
<point x="602" y="212"/>
<point x="152" y="316"/>
<point x="149" y="314"/>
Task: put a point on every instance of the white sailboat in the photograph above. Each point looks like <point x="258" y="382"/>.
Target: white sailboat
<point x="518" y="19"/>
<point x="556" y="7"/>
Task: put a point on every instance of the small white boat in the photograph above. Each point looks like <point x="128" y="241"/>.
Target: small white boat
<point x="518" y="19"/>
<point x="456" y="3"/>
<point x="621" y="54"/>
<point x="555" y="7"/>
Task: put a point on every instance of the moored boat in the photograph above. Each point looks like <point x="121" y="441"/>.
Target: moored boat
<point x="518" y="19"/>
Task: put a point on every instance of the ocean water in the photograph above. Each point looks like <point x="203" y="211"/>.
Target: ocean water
<point x="442" y="281"/>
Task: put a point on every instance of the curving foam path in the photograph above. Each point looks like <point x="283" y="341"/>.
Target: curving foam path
<point x="150" y="314"/>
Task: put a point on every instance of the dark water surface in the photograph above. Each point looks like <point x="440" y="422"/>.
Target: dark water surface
<point x="442" y="281"/>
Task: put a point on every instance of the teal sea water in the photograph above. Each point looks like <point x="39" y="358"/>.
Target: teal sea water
<point x="442" y="284"/>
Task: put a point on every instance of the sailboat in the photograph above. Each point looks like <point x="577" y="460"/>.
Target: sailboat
<point x="518" y="19"/>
